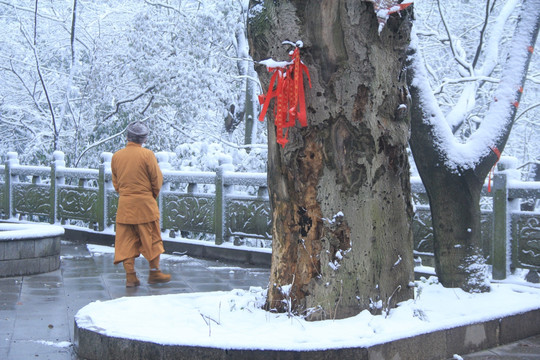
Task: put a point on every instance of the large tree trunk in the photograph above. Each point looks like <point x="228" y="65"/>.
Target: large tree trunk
<point x="339" y="190"/>
<point x="454" y="198"/>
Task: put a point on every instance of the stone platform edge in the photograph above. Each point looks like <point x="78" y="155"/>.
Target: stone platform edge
<point x="29" y="256"/>
<point x="204" y="249"/>
<point x="441" y="344"/>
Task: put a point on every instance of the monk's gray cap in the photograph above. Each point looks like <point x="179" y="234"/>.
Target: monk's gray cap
<point x="137" y="128"/>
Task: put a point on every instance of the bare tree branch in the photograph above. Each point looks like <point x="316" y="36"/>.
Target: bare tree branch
<point x="30" y="10"/>
<point x="71" y="65"/>
<point x="439" y="89"/>
<point x="525" y="111"/>
<point x="458" y="58"/>
<point x="165" y="6"/>
<point x="43" y="68"/>
<point x="535" y="79"/>
<point x="482" y="33"/>
<point x="72" y="39"/>
<point x="32" y="94"/>
<point x="147" y="105"/>
<point x="100" y="142"/>
<point x="128" y="101"/>
<point x="34" y="47"/>
<point x="206" y="135"/>
<point x="103" y="141"/>
<point x="17" y="123"/>
<point x="236" y="146"/>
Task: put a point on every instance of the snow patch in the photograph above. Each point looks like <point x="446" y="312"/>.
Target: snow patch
<point x="25" y="231"/>
<point x="60" y="344"/>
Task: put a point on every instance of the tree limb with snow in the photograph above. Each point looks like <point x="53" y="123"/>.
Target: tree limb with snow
<point x="453" y="165"/>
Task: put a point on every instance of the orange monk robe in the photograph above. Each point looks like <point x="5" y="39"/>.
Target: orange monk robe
<point x="138" y="179"/>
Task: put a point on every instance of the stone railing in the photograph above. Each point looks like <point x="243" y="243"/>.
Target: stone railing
<point x="223" y="205"/>
<point x="226" y="206"/>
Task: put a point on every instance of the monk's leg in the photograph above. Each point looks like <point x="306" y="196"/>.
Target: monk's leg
<point x="152" y="248"/>
<point x="126" y="249"/>
<point x="126" y="243"/>
<point x="131" y="275"/>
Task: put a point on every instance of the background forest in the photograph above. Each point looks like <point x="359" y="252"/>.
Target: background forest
<point x="74" y="73"/>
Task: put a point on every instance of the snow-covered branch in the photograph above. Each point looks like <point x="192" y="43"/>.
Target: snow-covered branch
<point x="492" y="48"/>
<point x="497" y="122"/>
<point x="490" y="56"/>
<point x="502" y="111"/>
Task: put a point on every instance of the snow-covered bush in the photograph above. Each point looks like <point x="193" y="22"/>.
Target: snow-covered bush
<point x="203" y="156"/>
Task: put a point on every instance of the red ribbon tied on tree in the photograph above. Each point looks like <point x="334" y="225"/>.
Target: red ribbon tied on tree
<point x="492" y="171"/>
<point x="287" y="86"/>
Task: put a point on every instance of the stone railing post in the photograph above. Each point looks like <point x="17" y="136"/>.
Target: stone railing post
<point x="103" y="186"/>
<point x="220" y="223"/>
<point x="163" y="158"/>
<point x="12" y="159"/>
<point x="502" y="205"/>
<point x="56" y="180"/>
<point x="262" y="194"/>
<point x="498" y="246"/>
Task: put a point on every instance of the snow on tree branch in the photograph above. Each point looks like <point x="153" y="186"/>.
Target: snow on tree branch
<point x="466" y="101"/>
<point x="492" y="47"/>
<point x="495" y="127"/>
<point x="502" y="110"/>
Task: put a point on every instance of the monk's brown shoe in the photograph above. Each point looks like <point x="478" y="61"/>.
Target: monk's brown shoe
<point x="157" y="277"/>
<point x="131" y="280"/>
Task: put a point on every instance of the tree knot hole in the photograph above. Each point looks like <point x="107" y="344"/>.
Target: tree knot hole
<point x="304" y="221"/>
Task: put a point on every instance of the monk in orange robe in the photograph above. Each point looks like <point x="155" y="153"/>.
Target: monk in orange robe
<point x="138" y="179"/>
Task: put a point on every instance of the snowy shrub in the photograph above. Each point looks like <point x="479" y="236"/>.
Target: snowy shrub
<point x="203" y="156"/>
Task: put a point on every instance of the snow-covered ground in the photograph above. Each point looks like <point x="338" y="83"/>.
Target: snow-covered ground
<point x="235" y="319"/>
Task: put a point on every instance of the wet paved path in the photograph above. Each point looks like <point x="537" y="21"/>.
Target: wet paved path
<point x="37" y="312"/>
<point x="527" y="349"/>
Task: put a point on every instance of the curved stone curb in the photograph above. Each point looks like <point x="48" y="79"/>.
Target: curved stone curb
<point x="442" y="344"/>
<point x="27" y="249"/>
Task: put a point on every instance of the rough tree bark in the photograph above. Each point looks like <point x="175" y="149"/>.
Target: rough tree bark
<point x="339" y="190"/>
